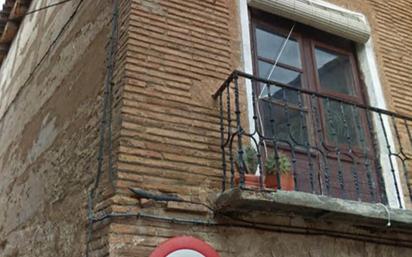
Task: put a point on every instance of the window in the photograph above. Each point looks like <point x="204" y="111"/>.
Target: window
<point x="328" y="139"/>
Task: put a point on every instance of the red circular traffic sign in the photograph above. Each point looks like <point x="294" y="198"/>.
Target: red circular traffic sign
<point x="188" y="245"/>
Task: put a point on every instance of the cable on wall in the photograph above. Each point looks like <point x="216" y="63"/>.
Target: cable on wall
<point x="241" y="223"/>
<point x="48" y="51"/>
<point x="106" y="123"/>
<point x="40" y="9"/>
<point x="290" y="229"/>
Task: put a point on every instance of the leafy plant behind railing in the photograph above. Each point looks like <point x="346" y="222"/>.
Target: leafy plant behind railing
<point x="281" y="164"/>
<point x="251" y="160"/>
<point x="272" y="164"/>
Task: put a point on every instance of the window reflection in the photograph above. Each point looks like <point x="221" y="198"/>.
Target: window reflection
<point x="335" y="72"/>
<point x="269" y="46"/>
<point x="280" y="122"/>
<point x="343" y="124"/>
<point x="283" y="76"/>
<point x="284" y="124"/>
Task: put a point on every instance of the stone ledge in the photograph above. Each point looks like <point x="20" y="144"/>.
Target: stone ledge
<point x="313" y="206"/>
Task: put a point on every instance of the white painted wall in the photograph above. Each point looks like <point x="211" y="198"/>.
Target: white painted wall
<point x="368" y="66"/>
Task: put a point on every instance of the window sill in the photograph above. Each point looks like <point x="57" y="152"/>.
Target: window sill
<point x="313" y="207"/>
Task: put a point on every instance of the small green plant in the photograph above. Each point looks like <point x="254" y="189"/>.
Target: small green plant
<point x="250" y="160"/>
<point x="282" y="165"/>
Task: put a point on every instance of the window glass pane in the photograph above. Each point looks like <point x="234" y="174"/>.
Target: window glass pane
<point x="269" y="46"/>
<point x="344" y="126"/>
<point x="288" y="125"/>
<point x="283" y="76"/>
<point x="335" y="72"/>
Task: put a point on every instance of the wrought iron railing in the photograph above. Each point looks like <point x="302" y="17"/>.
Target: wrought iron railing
<point x="279" y="137"/>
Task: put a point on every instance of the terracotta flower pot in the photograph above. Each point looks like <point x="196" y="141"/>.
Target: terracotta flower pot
<point x="286" y="181"/>
<point x="251" y="181"/>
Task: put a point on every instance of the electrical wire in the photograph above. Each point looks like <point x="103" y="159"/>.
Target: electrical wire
<point x="290" y="229"/>
<point x="388" y="214"/>
<point x="106" y="122"/>
<point x="285" y="42"/>
<point x="40" y="9"/>
<point x="240" y="223"/>
<point x="140" y="193"/>
<point x="283" y="46"/>
<point x="107" y="104"/>
<point x="48" y="51"/>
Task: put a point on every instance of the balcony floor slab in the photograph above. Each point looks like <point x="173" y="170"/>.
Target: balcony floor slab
<point x="314" y="207"/>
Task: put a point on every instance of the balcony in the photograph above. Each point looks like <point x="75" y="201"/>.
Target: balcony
<point x="292" y="147"/>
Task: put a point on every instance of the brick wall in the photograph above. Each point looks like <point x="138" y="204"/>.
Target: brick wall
<point x="173" y="54"/>
<point x="394" y="45"/>
<point x="177" y="54"/>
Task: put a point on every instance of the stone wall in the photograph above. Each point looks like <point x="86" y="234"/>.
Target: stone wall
<point x="139" y="238"/>
<point x="49" y="119"/>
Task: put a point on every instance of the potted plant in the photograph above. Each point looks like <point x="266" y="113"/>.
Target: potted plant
<point x="282" y="166"/>
<point x="250" y="163"/>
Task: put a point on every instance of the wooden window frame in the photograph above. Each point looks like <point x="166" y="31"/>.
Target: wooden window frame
<point x="371" y="83"/>
<point x="308" y="39"/>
